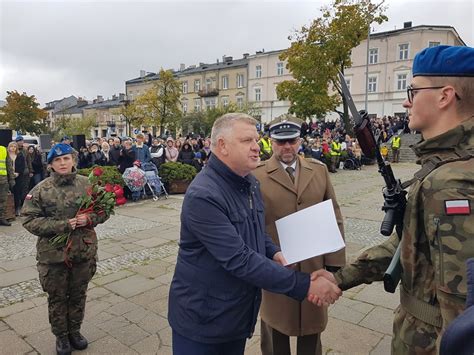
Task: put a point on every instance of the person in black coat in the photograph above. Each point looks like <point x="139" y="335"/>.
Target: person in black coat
<point x="186" y="155"/>
<point x="114" y="153"/>
<point x="127" y="157"/>
<point x="95" y="156"/>
<point x="19" y="165"/>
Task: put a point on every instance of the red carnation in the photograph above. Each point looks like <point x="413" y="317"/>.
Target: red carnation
<point x="109" y="188"/>
<point x="97" y="172"/>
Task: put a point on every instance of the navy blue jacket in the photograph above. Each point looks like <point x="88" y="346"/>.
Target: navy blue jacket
<point x="223" y="259"/>
<point x="142" y="153"/>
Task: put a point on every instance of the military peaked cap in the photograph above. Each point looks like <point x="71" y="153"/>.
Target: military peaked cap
<point x="444" y="61"/>
<point x="285" y="127"/>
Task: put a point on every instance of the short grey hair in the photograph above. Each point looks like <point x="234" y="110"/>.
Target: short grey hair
<point x="223" y="125"/>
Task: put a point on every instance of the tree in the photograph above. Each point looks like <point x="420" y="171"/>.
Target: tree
<point x="22" y="113"/>
<point x="320" y="50"/>
<point x="159" y="105"/>
<point x="66" y="125"/>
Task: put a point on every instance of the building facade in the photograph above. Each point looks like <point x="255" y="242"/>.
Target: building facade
<point x="107" y="117"/>
<point x="390" y="61"/>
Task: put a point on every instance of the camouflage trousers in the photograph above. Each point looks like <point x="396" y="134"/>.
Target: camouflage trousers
<point x="412" y="336"/>
<point x="334" y="163"/>
<point x="66" y="289"/>
<point x="3" y="196"/>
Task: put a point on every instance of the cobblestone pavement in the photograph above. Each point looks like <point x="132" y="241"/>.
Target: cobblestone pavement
<point x="127" y="301"/>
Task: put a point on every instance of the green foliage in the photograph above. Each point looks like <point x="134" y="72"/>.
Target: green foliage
<point x="318" y="51"/>
<point x="111" y="175"/>
<point x="159" y="105"/>
<point x="66" y="125"/>
<point x="22" y="113"/>
<point x="176" y="171"/>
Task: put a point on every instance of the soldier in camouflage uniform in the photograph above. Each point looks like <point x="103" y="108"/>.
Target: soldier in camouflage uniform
<point x="438" y="225"/>
<point x="50" y="209"/>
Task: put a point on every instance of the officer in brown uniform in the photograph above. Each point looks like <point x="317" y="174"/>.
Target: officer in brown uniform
<point x="438" y="225"/>
<point x="290" y="183"/>
<point x="50" y="209"/>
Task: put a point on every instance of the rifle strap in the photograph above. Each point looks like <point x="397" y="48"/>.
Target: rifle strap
<point x="421" y="310"/>
<point x="435" y="162"/>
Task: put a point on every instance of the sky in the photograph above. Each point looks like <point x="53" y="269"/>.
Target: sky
<point x="54" y="49"/>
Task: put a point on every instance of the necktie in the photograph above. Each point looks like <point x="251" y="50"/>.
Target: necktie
<point x="291" y="173"/>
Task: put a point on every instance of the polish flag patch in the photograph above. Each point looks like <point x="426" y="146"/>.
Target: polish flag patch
<point x="28" y="197"/>
<point x="457" y="207"/>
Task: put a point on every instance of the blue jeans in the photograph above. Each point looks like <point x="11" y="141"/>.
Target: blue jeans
<point x="186" y="346"/>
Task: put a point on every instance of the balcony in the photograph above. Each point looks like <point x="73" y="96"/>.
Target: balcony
<point x="208" y="92"/>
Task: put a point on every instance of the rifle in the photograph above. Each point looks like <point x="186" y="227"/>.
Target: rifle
<point x="393" y="192"/>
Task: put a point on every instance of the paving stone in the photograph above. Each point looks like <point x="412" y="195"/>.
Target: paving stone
<point x="19" y="263"/>
<point x="43" y="342"/>
<point x="103" y="255"/>
<point x="91" y="332"/>
<point x="15" y="308"/>
<point x="12" y="277"/>
<point x="151" y="242"/>
<point x="166" y="278"/>
<point x="379" y="319"/>
<point x="348" y="338"/>
<point x="108" y="345"/>
<point x="121" y="308"/>
<point x="159" y="307"/>
<point x="99" y="318"/>
<point x="136" y="315"/>
<point x="376" y="295"/>
<point x="112" y="298"/>
<point x="345" y="313"/>
<point x="152" y="270"/>
<point x="3" y="326"/>
<point x="97" y="292"/>
<point x="383" y="347"/>
<point x="147" y="297"/>
<point x="11" y="343"/>
<point x="113" y="323"/>
<point x="129" y="335"/>
<point x="165" y="336"/>
<point x="153" y="323"/>
<point x="29" y="321"/>
<point x="112" y="277"/>
<point x="149" y="345"/>
<point x="95" y="307"/>
<point x="131" y="286"/>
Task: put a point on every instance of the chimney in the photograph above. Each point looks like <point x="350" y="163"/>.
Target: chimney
<point x="201" y="64"/>
<point x="121" y="97"/>
<point x="407" y="24"/>
<point x="114" y="97"/>
<point x="100" y="98"/>
<point x="182" y="67"/>
<point x="142" y="73"/>
<point x="228" y="59"/>
<point x="246" y="55"/>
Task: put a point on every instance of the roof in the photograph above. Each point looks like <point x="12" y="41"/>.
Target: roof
<point x="415" y="28"/>
<point x="104" y="104"/>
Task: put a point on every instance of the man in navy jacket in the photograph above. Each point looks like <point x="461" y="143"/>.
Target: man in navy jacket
<point x="225" y="258"/>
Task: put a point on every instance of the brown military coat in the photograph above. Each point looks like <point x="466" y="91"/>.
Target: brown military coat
<point x="282" y="198"/>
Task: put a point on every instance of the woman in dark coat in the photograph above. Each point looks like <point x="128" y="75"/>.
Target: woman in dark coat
<point x="186" y="154"/>
<point x="127" y="157"/>
<point x="19" y="164"/>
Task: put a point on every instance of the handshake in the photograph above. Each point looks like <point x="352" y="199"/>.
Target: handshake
<point x="323" y="289"/>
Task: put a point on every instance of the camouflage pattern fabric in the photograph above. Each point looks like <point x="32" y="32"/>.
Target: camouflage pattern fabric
<point x="66" y="290"/>
<point x="434" y="247"/>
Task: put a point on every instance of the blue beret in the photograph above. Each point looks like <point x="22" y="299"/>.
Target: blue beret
<point x="18" y="138"/>
<point x="58" y="150"/>
<point x="65" y="138"/>
<point x="444" y="61"/>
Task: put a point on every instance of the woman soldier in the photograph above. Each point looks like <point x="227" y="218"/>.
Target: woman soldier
<point x="51" y="209"/>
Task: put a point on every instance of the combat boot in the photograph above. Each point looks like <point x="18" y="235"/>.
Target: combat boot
<point x="78" y="342"/>
<point x="63" y="347"/>
<point x="4" y="222"/>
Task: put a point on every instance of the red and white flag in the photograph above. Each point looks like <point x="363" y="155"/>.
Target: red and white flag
<point x="457" y="207"/>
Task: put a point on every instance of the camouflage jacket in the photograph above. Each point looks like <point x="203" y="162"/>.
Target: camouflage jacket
<point x="47" y="209"/>
<point x="436" y="242"/>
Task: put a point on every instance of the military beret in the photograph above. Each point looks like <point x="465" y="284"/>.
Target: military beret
<point x="18" y="138"/>
<point x="58" y="150"/>
<point x="444" y="61"/>
<point x="285" y="127"/>
<point x="65" y="138"/>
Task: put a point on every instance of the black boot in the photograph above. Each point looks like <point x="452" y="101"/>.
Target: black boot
<point x="4" y="222"/>
<point x="78" y="342"/>
<point x="63" y="347"/>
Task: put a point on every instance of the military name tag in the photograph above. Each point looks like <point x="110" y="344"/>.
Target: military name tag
<point x="454" y="207"/>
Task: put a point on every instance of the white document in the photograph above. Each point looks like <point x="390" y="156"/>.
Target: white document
<point x="309" y="232"/>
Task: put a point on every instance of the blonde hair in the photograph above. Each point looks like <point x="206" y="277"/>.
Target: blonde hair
<point x="223" y="125"/>
<point x="11" y="144"/>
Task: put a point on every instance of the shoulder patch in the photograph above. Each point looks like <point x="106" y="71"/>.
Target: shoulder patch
<point x="28" y="197"/>
<point x="457" y="207"/>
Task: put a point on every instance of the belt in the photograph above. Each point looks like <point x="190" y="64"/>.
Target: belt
<point x="420" y="309"/>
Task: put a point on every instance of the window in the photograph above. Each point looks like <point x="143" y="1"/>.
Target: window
<point x="433" y="44"/>
<point x="197" y="105"/>
<point x="240" y="102"/>
<point x="372" y="84"/>
<point x="258" y="71"/>
<point x="258" y="94"/>
<point x="185" y="87"/>
<point x="240" y="80"/>
<point x="279" y="68"/>
<point x="373" y="56"/>
<point x="403" y="51"/>
<point x="225" y="101"/>
<point x="210" y="103"/>
<point x="197" y="85"/>
<point x="208" y="84"/>
<point x="225" y="82"/>
<point x="401" y="82"/>
<point x="185" y="107"/>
